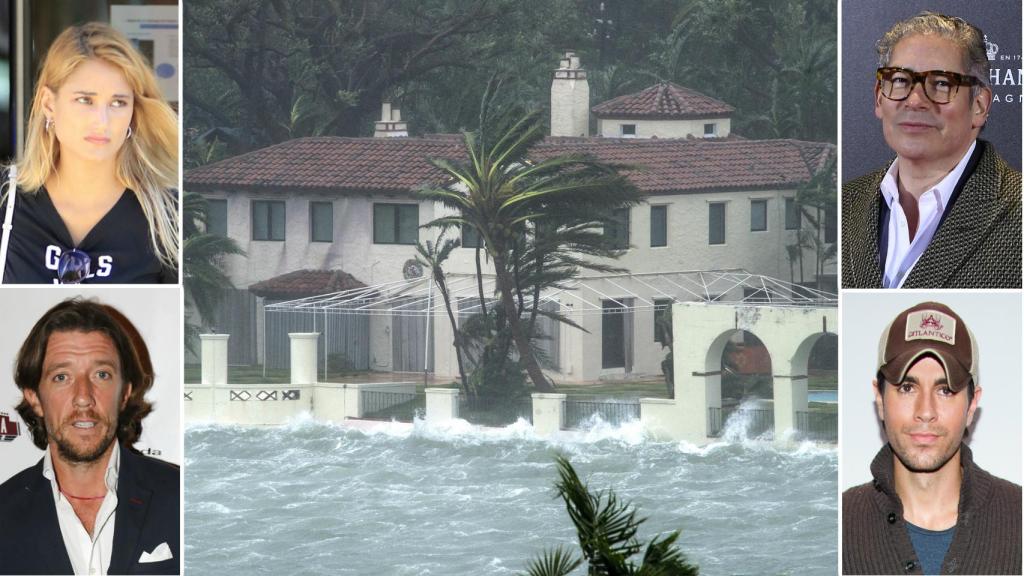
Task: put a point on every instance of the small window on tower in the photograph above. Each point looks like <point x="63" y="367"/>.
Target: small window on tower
<point x="628" y="130"/>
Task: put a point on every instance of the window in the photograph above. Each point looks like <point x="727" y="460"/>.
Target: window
<point x="758" y="215"/>
<point x="617" y="229"/>
<point x="628" y="130"/>
<point x="217" y="217"/>
<point x="710" y="130"/>
<point x="830" y="226"/>
<point x="716" y="223"/>
<point x="659" y="226"/>
<point x="663" y="321"/>
<point x="396" y="223"/>
<point x="268" y="220"/>
<point x="471" y="238"/>
<point x="321" y="222"/>
<point x="792" y="214"/>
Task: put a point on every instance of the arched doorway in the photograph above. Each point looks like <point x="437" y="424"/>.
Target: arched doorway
<point x="747" y="390"/>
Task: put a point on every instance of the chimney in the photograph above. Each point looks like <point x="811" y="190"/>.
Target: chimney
<point x="570" y="98"/>
<point x="390" y="124"/>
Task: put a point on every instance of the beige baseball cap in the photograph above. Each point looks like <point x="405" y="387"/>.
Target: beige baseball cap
<point x="929" y="328"/>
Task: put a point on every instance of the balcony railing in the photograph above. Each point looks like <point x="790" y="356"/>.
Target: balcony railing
<point x="615" y="413"/>
<point x="756" y="421"/>
<point x="818" y="426"/>
<point x="397" y="406"/>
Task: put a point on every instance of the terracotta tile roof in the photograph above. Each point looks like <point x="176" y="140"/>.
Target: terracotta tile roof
<point x="663" y="101"/>
<point x="398" y="165"/>
<point x="302" y="283"/>
<point x="331" y="162"/>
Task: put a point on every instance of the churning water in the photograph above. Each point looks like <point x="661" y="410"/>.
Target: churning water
<point x="316" y="498"/>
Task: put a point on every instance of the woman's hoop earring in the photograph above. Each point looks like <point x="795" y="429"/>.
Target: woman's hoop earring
<point x="129" y="132"/>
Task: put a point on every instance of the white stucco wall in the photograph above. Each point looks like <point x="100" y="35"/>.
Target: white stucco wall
<point x="354" y="252"/>
<point x="688" y="233"/>
<point x="612" y="127"/>
<point x="353" y="249"/>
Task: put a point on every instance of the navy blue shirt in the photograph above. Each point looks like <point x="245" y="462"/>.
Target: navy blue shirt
<point x="118" y="246"/>
<point x="930" y="546"/>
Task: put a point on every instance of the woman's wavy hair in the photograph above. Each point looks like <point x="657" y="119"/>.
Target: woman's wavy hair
<point x="147" y="162"/>
<point x="80" y="315"/>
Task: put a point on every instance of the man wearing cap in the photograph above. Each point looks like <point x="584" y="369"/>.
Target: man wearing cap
<point x="946" y="213"/>
<point x="930" y="509"/>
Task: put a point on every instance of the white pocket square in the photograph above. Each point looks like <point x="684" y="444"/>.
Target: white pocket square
<point x="159" y="554"/>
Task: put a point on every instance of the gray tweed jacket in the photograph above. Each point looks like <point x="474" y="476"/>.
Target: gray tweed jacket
<point x="978" y="245"/>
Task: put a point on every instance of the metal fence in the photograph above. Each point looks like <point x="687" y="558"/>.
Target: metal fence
<point x="343" y="346"/>
<point x="579" y="411"/>
<point x="397" y="406"/>
<point x="495" y="411"/>
<point x="757" y="420"/>
<point x="818" y="426"/>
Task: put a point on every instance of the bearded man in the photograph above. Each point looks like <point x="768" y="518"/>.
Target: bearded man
<point x="92" y="505"/>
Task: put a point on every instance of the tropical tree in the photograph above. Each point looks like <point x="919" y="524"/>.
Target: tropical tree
<point x="817" y="201"/>
<point x="433" y="255"/>
<point x="204" y="277"/>
<point x="540" y="221"/>
<point x="606" y="528"/>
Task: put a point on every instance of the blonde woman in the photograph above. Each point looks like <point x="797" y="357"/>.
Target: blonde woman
<point x="95" y="199"/>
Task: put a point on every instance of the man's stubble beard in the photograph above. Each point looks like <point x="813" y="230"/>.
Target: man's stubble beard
<point x="922" y="463"/>
<point x="76" y="455"/>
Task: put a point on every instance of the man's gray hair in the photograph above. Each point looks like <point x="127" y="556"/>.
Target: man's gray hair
<point x="967" y="36"/>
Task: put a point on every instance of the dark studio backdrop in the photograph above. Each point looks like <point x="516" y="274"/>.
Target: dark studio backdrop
<point x="864" y="21"/>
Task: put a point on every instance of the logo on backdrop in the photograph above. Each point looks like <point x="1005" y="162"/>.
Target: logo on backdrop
<point x="991" y="49"/>
<point x="1004" y="74"/>
<point x="9" y="428"/>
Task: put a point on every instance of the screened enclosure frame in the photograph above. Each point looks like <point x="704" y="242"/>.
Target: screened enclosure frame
<point x="415" y="302"/>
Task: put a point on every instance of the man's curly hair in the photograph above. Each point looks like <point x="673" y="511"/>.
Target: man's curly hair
<point x="81" y="315"/>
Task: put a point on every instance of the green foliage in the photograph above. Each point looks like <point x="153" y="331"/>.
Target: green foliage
<point x="606" y="528"/>
<point x="541" y="221"/>
<point x="273" y="70"/>
<point x="432" y="255"/>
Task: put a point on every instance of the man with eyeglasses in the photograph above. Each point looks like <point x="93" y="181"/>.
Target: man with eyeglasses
<point x="930" y="508"/>
<point x="947" y="212"/>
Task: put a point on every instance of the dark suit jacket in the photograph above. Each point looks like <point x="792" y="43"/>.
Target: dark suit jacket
<point x="976" y="246"/>
<point x="147" y="516"/>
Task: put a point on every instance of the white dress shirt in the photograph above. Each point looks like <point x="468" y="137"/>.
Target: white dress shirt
<point x="89" y="553"/>
<point x="902" y="253"/>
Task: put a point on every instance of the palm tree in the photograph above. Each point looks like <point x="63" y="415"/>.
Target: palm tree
<point x="816" y="199"/>
<point x="204" y="278"/>
<point x="433" y="255"/>
<point x="606" y="528"/>
<point x="537" y="219"/>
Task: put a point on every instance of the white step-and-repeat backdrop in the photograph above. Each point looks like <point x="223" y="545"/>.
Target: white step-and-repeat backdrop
<point x="155" y="311"/>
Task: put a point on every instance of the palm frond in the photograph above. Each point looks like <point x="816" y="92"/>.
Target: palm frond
<point x="556" y="562"/>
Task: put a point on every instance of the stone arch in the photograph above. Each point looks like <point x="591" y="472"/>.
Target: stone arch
<point x="700" y="333"/>
<point x="719" y="405"/>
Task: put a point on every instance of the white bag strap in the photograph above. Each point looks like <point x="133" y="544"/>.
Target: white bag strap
<point x="12" y="193"/>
